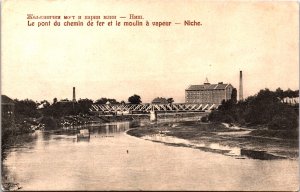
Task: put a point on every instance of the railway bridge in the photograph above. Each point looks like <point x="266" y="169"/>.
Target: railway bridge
<point x="147" y="107"/>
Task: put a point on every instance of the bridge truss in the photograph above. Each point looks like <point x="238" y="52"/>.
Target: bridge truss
<point x="147" y="107"/>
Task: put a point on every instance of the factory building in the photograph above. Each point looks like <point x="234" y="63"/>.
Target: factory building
<point x="208" y="93"/>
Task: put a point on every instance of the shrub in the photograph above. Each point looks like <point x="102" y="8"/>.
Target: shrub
<point x="49" y="122"/>
<point x="204" y="119"/>
<point x="280" y="122"/>
<point x="228" y="119"/>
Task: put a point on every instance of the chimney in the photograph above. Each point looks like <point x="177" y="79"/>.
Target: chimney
<point x="241" y="87"/>
<point x="74" y="98"/>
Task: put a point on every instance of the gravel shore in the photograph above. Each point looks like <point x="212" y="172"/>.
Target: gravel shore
<point x="200" y="135"/>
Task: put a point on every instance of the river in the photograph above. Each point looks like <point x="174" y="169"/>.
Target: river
<point x="113" y="160"/>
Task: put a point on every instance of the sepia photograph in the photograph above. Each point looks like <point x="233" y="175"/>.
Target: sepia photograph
<point x="149" y="95"/>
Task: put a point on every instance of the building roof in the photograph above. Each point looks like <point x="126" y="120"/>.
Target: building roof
<point x="207" y="86"/>
<point x="6" y="100"/>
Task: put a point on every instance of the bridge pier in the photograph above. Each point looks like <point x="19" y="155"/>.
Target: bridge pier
<point x="153" y="116"/>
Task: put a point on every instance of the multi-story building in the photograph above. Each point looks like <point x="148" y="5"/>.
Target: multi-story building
<point x="208" y="93"/>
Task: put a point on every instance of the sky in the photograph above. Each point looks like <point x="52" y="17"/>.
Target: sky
<point x="259" y="38"/>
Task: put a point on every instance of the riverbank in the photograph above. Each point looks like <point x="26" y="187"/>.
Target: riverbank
<point x="20" y="131"/>
<point x="220" y="138"/>
<point x="12" y="140"/>
<point x="7" y="182"/>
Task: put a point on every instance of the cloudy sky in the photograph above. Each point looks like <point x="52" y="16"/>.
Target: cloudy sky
<point x="45" y="62"/>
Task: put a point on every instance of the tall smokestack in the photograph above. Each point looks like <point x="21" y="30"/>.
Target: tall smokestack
<point x="241" y="87"/>
<point x="74" y="98"/>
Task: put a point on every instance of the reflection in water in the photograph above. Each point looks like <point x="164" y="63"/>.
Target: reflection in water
<point x="109" y="128"/>
<point x="112" y="160"/>
<point x="262" y="155"/>
<point x="46" y="136"/>
<point x="22" y="141"/>
<point x="233" y="151"/>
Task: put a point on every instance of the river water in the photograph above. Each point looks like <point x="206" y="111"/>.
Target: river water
<point x="113" y="160"/>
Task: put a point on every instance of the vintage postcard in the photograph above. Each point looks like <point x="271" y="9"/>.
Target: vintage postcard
<point x="149" y="95"/>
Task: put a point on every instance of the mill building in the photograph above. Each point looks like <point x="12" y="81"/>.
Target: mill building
<point x="208" y="93"/>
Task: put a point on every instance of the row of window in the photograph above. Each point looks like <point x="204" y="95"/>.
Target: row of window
<point x="206" y="96"/>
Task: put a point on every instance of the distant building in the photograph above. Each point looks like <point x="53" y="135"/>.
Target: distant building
<point x="208" y="93"/>
<point x="159" y="100"/>
<point x="7" y="107"/>
<point x="293" y="101"/>
<point x="64" y="101"/>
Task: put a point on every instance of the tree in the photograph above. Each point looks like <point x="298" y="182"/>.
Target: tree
<point x="296" y="93"/>
<point x="113" y="101"/>
<point x="26" y="108"/>
<point x="55" y="100"/>
<point x="45" y="103"/>
<point x="234" y="95"/>
<point x="135" y="99"/>
<point x="103" y="100"/>
<point x="170" y="100"/>
<point x="279" y="93"/>
<point x="83" y="105"/>
<point x="264" y="108"/>
<point x="159" y="100"/>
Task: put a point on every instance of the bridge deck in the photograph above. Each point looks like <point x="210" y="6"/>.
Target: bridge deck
<point x="147" y="107"/>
